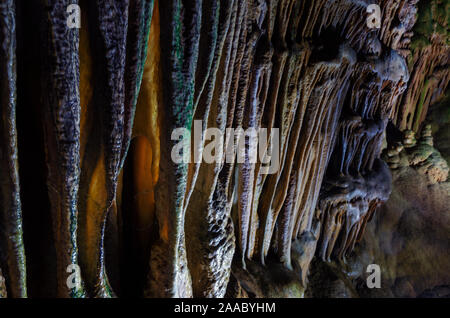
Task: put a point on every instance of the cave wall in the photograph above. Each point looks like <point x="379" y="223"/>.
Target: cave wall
<point x="105" y="192"/>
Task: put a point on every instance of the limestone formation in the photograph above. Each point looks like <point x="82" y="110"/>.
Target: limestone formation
<point x="12" y="249"/>
<point x="421" y="155"/>
<point x="428" y="62"/>
<point x="101" y="107"/>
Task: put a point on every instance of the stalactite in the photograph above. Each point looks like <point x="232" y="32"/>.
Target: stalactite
<point x="140" y="15"/>
<point x="62" y="137"/>
<point x="428" y="62"/>
<point x="347" y="203"/>
<point x="12" y="250"/>
<point x="357" y="181"/>
<point x="108" y="99"/>
<point x="213" y="236"/>
<point x="314" y="74"/>
<point x="168" y="265"/>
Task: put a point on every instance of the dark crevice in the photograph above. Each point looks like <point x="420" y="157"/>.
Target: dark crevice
<point x="37" y="222"/>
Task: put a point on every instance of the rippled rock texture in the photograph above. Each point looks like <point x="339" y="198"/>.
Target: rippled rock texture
<point x="87" y="139"/>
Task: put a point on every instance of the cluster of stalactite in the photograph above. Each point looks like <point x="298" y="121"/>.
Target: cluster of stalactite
<point x="428" y="61"/>
<point x="107" y="97"/>
<point x="357" y="181"/>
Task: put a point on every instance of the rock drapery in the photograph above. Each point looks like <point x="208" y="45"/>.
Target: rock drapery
<point x="108" y="96"/>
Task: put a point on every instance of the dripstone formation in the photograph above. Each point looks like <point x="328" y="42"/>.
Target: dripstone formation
<point x="88" y="117"/>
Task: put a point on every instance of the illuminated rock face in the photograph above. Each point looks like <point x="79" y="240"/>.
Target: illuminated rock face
<point x="107" y="97"/>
